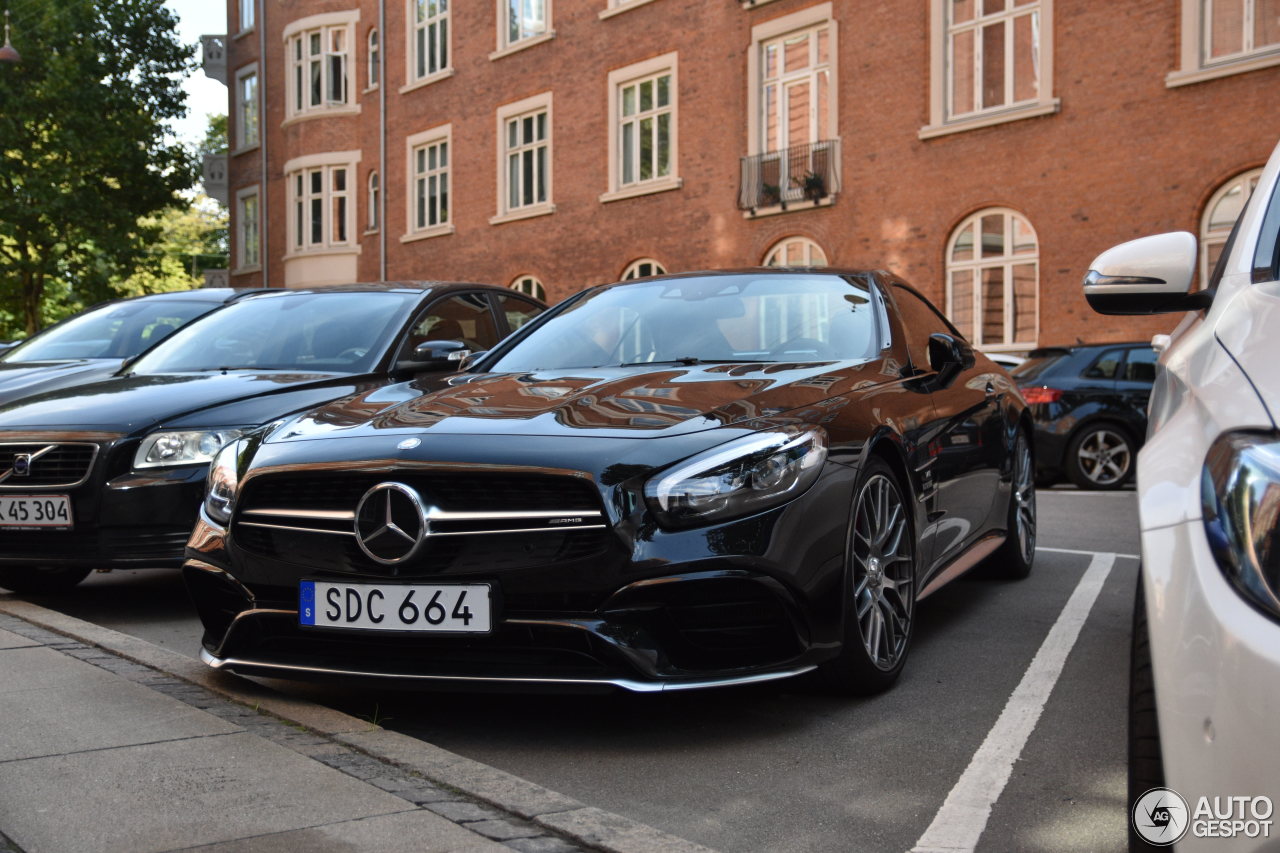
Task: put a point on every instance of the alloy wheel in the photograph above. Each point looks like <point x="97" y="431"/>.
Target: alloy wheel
<point x="1104" y="457"/>
<point x="1024" y="498"/>
<point x="883" y="571"/>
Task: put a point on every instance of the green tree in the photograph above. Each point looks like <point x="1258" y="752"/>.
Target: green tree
<point x="86" y="163"/>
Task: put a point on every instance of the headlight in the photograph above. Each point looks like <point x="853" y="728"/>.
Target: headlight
<point x="1240" y="490"/>
<point x="222" y="483"/>
<point x="182" y="447"/>
<point x="738" y="478"/>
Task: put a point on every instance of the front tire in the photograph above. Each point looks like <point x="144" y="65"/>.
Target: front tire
<point x="1101" y="457"/>
<point x="879" y="588"/>
<point x="41" y="581"/>
<point x="1014" y="558"/>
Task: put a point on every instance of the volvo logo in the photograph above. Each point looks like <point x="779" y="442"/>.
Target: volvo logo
<point x="22" y="465"/>
<point x="391" y="523"/>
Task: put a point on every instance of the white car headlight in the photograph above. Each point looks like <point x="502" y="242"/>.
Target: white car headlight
<point x="1240" y="491"/>
<point x="182" y="447"/>
<point x="223" y="482"/>
<point x="738" y="478"/>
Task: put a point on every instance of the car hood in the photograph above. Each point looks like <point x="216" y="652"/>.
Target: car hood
<point x="22" y="378"/>
<point x="129" y="403"/>
<point x="631" y="402"/>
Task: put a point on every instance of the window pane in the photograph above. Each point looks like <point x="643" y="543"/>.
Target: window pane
<point x="513" y="22"/>
<point x="1227" y="210"/>
<point x="317" y="181"/>
<point x="990" y="7"/>
<point x="664" y="90"/>
<point x="962" y="61"/>
<point x="527" y="190"/>
<point x="542" y="126"/>
<point x="513" y="133"/>
<point x="317" y="220"/>
<point x="542" y="174"/>
<point x="993" y="65"/>
<point x="433" y="193"/>
<point x="646" y="149"/>
<point x="1026" y="57"/>
<point x="628" y="152"/>
<point x="526" y="130"/>
<point x="823" y="113"/>
<point x="314" y="44"/>
<point x="993" y="235"/>
<point x="961" y="11"/>
<point x="315" y="84"/>
<point x="993" y="306"/>
<point x="824" y="46"/>
<point x="420" y="196"/>
<point x="629" y="100"/>
<point x="796" y="53"/>
<point x="1266" y="23"/>
<point x="513" y="181"/>
<point x="1226" y="27"/>
<point x="962" y="301"/>
<point x="1024" y="303"/>
<point x="646" y="95"/>
<point x="771" y="118"/>
<point x="770" y="61"/>
<point x="340" y="219"/>
<point x="339" y="180"/>
<point x="444" y="154"/>
<point x="1024" y="239"/>
<point x="798" y="114"/>
<point x="963" y="248"/>
<point x="664" y="144"/>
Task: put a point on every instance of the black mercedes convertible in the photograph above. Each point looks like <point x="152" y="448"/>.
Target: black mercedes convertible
<point x="682" y="482"/>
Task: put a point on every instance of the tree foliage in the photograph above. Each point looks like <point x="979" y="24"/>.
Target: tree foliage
<point x="87" y="168"/>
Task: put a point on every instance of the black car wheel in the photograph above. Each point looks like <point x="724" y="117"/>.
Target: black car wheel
<point x="880" y="587"/>
<point x="1014" y="558"/>
<point x="1100" y="457"/>
<point x="1146" y="767"/>
<point x="42" y="580"/>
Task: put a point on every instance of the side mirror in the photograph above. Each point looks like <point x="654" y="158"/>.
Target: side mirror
<point x="471" y="359"/>
<point x="949" y="356"/>
<point x="1147" y="276"/>
<point x="436" y="355"/>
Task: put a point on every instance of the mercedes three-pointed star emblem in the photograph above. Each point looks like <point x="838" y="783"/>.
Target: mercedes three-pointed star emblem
<point x="391" y="523"/>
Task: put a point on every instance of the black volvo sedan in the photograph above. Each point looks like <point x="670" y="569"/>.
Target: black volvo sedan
<point x="675" y="483"/>
<point x="111" y="474"/>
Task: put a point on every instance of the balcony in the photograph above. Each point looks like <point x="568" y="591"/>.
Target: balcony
<point x="791" y="178"/>
<point x="214" y="57"/>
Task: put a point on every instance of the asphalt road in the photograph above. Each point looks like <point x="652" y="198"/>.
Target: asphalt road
<point x="786" y="768"/>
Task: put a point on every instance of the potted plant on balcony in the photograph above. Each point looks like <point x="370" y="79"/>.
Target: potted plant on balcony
<point x="770" y="194"/>
<point x="813" y="186"/>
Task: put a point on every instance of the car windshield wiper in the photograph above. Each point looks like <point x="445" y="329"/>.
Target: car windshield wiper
<point x="688" y="360"/>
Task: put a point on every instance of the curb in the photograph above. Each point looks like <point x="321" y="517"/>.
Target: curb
<point x="560" y="814"/>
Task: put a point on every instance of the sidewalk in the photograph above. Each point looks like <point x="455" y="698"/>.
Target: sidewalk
<point x="102" y="753"/>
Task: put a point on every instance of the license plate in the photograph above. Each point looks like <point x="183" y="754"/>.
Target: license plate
<point x="31" y="511"/>
<point x="443" y="608"/>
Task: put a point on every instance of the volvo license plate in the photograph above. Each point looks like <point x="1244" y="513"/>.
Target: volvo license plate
<point x="35" y="511"/>
<point x="435" y="607"/>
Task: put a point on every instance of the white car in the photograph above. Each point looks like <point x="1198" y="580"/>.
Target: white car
<point x="1205" y="680"/>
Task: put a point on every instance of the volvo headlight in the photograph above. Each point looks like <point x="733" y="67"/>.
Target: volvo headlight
<point x="738" y="478"/>
<point x="223" y="482"/>
<point x="182" y="447"/>
<point x="1240" y="490"/>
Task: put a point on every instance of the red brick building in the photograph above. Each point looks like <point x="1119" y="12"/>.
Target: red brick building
<point x="985" y="150"/>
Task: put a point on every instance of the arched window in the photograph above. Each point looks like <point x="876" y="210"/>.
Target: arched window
<point x="1220" y="215"/>
<point x="643" y="268"/>
<point x="993" y="280"/>
<point x="530" y="286"/>
<point x="795" y="252"/>
<point x="373" y="201"/>
<point x="375" y="59"/>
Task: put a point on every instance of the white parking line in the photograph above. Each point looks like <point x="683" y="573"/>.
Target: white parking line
<point x="1086" y="553"/>
<point x="960" y="822"/>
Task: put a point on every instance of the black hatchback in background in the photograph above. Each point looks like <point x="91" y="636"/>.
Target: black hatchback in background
<point x="1090" y="410"/>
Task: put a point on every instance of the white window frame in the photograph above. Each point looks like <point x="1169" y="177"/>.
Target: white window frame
<point x="412" y="28"/>
<point x="300" y="217"/>
<point x="247" y="10"/>
<point x="940" y="122"/>
<point x="978" y="263"/>
<point x="507" y="45"/>
<point x="529" y="285"/>
<point x="1194" y="65"/>
<point x="519" y="109"/>
<point x="243" y="108"/>
<point x="810" y="245"/>
<point x="300" y="32"/>
<point x="246" y="229"/>
<point x="617" y="7"/>
<point x="421" y="142"/>
<point x="810" y="18"/>
<point x="373" y="211"/>
<point x="373" y="59"/>
<point x="618" y="80"/>
<point x="1249" y="179"/>
<point x="634" y="269"/>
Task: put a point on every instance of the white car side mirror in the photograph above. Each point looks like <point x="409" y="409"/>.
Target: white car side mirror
<point x="1151" y="275"/>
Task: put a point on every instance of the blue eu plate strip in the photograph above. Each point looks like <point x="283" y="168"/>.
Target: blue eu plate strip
<point x="307" y="603"/>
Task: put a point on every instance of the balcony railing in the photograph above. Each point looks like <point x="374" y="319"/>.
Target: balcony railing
<point x="805" y="173"/>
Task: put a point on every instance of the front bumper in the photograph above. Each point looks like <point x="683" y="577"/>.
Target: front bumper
<point x="131" y="521"/>
<point x="1216" y="662"/>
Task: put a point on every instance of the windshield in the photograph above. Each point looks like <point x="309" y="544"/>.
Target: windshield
<point x="121" y="330"/>
<point x="331" y="332"/>
<point x="763" y="317"/>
